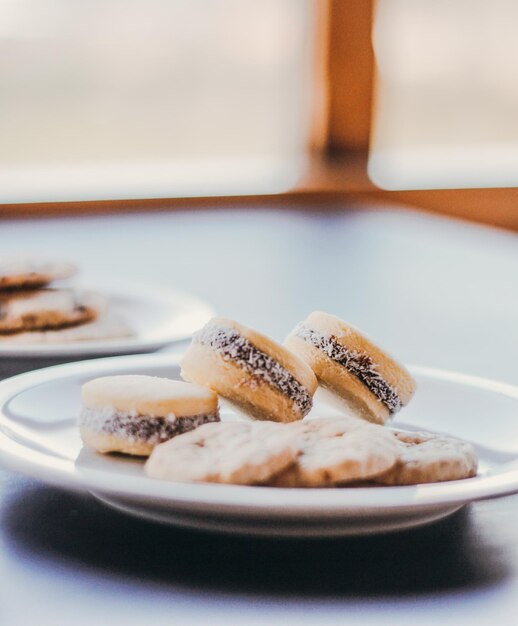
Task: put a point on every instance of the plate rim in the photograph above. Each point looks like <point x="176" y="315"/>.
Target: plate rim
<point x="114" y="288"/>
<point x="282" y="502"/>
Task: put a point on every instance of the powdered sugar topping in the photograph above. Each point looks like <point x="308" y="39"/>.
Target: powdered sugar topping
<point x="357" y="363"/>
<point x="232" y="346"/>
<point x="141" y="428"/>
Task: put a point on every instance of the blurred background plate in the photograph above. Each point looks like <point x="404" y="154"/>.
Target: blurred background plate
<point x="156" y="318"/>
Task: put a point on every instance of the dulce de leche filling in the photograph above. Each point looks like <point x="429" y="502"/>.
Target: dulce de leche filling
<point x="359" y="364"/>
<point x="142" y="428"/>
<point x="232" y="346"/>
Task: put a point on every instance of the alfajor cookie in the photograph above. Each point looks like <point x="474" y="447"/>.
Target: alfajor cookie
<point x="31" y="274"/>
<point x="261" y="376"/>
<point x="338" y="451"/>
<point x="242" y="453"/>
<point x="134" y="413"/>
<point x="107" y="326"/>
<point x="430" y="458"/>
<point x="46" y="309"/>
<point x="368" y="380"/>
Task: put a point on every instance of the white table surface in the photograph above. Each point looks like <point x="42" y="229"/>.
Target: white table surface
<point x="433" y="291"/>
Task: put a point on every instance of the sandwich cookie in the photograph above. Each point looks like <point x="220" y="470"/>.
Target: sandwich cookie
<point x="258" y="374"/>
<point x="29" y="274"/>
<point x="430" y="458"/>
<point x="240" y="453"/>
<point x="133" y="413"/>
<point x="336" y="451"/>
<point x="370" y="382"/>
<point x="47" y="309"/>
<point x="108" y="325"/>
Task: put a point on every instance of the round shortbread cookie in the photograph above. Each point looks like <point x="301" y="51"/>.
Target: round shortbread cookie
<point x="253" y="371"/>
<point x="134" y="413"/>
<point x="337" y="451"/>
<point x="243" y="453"/>
<point x="321" y="427"/>
<point x="32" y="274"/>
<point x="429" y="458"/>
<point x="47" y="309"/>
<point x="367" y="379"/>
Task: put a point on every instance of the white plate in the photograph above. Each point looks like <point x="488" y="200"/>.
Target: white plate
<point x="38" y="437"/>
<point x="156" y="316"/>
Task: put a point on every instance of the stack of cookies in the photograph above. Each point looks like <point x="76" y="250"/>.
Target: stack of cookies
<point x="34" y="309"/>
<point x="29" y="303"/>
<point x="178" y="424"/>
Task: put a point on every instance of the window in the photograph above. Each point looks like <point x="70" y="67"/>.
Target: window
<point x="447" y="96"/>
<point x="153" y="98"/>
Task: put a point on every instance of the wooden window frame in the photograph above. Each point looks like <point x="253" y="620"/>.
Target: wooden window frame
<point x="345" y="87"/>
<point x="350" y="53"/>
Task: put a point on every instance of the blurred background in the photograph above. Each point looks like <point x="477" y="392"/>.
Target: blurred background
<point x="447" y="94"/>
<point x="153" y="97"/>
<point x="110" y="99"/>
